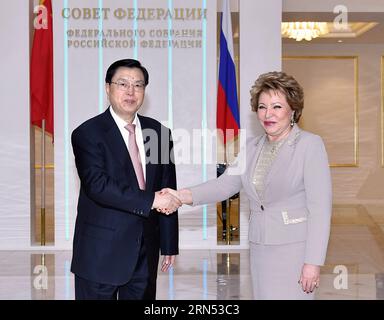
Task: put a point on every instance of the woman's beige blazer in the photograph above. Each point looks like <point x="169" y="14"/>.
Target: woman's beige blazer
<point x="297" y="203"/>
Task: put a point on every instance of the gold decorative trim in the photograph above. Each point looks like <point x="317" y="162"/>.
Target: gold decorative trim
<point x="47" y="166"/>
<point x="356" y="107"/>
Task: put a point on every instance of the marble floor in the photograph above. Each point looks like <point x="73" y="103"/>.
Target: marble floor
<point x="354" y="267"/>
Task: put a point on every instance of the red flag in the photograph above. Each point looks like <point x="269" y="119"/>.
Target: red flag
<point x="41" y="78"/>
<point x="227" y="117"/>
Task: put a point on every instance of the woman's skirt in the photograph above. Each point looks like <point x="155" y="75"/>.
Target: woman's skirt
<point x="276" y="270"/>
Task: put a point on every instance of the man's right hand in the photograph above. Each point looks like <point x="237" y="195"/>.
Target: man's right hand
<point x="166" y="202"/>
<point x="185" y="195"/>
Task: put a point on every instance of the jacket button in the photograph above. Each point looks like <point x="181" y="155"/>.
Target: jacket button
<point x="262" y="208"/>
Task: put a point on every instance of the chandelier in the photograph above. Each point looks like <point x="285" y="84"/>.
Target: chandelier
<point x="304" y="30"/>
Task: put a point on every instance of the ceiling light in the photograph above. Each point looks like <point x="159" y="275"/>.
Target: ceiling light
<point x="304" y="30"/>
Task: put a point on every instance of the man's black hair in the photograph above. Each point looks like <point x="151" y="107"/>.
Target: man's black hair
<point x="126" y="63"/>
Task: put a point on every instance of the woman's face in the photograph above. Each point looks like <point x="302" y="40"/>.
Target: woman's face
<point x="274" y="114"/>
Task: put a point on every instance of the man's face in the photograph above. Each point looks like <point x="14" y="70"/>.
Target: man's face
<point x="126" y="92"/>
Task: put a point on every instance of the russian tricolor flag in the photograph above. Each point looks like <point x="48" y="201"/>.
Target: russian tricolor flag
<point x="228" y="118"/>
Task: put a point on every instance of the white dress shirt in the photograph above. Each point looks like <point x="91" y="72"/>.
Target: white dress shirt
<point x="125" y="134"/>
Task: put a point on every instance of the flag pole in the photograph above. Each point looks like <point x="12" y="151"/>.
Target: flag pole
<point x="228" y="213"/>
<point x="42" y="210"/>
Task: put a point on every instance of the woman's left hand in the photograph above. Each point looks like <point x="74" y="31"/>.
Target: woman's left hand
<point x="310" y="277"/>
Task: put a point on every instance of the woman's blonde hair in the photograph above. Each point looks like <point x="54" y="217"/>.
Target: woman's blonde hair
<point x="281" y="82"/>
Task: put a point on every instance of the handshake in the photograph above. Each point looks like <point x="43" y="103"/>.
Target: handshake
<point x="168" y="200"/>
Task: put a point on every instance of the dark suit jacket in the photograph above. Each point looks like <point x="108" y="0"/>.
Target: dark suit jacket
<point x="114" y="215"/>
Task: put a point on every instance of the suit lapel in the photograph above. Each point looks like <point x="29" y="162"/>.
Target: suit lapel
<point x="117" y="145"/>
<point x="253" y="157"/>
<point x="284" y="155"/>
<point x="150" y="167"/>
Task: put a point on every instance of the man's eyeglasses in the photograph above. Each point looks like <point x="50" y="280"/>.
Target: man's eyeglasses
<point x="124" y="86"/>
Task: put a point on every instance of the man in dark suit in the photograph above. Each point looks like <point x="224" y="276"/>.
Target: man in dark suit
<point x="123" y="160"/>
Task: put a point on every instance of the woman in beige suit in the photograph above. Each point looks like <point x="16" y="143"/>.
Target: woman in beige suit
<point x="288" y="183"/>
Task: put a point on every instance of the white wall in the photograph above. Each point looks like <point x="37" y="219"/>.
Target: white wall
<point x="83" y="102"/>
<point x="14" y="127"/>
<point x="187" y="76"/>
<point x="260" y="51"/>
<point x="181" y="110"/>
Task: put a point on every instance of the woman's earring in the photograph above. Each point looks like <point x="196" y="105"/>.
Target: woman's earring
<point x="293" y="119"/>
